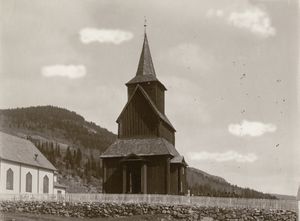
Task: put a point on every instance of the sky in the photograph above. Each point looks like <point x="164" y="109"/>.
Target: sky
<point x="230" y="67"/>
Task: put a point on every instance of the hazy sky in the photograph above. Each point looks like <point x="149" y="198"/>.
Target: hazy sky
<point x="230" y="67"/>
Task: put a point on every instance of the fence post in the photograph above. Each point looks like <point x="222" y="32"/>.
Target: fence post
<point x="298" y="204"/>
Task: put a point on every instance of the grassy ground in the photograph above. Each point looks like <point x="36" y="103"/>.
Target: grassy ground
<point x="33" y="217"/>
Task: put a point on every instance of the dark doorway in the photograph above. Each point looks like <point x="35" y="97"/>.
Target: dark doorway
<point x="133" y="178"/>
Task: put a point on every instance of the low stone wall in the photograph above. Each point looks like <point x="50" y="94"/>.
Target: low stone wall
<point x="184" y="212"/>
<point x="199" y="201"/>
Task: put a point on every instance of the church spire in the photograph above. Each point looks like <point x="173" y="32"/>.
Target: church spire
<point x="145" y="66"/>
<point x="145" y="71"/>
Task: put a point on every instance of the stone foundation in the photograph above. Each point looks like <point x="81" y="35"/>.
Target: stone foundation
<point x="92" y="210"/>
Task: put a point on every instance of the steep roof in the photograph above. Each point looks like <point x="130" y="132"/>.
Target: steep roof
<point x="145" y="71"/>
<point x="178" y="160"/>
<point x="140" y="147"/>
<point x="23" y="151"/>
<point x="157" y="112"/>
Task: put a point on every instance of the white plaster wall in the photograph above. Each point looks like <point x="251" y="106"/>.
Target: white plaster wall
<point x="4" y="166"/>
<point x="42" y="173"/>
<point x="34" y="173"/>
<point x="20" y="172"/>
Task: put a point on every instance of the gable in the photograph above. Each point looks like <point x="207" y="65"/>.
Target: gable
<point x="139" y="90"/>
<point x="138" y="119"/>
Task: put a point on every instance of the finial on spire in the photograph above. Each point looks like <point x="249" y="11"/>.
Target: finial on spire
<point x="145" y="24"/>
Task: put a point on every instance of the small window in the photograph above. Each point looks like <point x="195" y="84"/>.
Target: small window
<point x="58" y="191"/>
<point x="9" y="179"/>
<point x="45" y="184"/>
<point x="182" y="170"/>
<point x="28" y="182"/>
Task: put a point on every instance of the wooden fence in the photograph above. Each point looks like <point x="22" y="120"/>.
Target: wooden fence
<point x="158" y="199"/>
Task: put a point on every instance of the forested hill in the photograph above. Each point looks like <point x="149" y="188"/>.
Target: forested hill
<point x="204" y="184"/>
<point x="73" y="145"/>
<point x="58" y="124"/>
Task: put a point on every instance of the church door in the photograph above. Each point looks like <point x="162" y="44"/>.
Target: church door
<point x="133" y="178"/>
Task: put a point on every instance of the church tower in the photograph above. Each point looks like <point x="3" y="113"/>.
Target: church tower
<point x="143" y="159"/>
<point x="144" y="113"/>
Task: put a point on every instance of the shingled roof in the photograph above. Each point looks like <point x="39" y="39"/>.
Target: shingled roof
<point x="140" y="147"/>
<point x="145" y="71"/>
<point x="22" y="151"/>
<point x="178" y="160"/>
<point x="144" y="93"/>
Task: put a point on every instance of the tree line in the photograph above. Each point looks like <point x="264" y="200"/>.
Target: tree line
<point x="70" y="160"/>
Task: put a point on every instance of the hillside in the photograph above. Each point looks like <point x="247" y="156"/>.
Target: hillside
<point x="202" y="183"/>
<point x="70" y="142"/>
<point x="73" y="145"/>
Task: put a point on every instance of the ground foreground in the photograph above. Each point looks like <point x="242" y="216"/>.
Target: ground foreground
<point x="59" y="211"/>
<point x="35" y="217"/>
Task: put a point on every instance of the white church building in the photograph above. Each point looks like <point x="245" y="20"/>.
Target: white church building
<point x="24" y="169"/>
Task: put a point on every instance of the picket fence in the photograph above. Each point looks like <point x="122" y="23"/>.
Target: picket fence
<point x="291" y="205"/>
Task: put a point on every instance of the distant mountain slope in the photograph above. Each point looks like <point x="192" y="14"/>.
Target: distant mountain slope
<point x="202" y="183"/>
<point x="57" y="123"/>
<point x="73" y="145"/>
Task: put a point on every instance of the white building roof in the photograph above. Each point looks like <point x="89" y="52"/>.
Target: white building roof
<point x="22" y="151"/>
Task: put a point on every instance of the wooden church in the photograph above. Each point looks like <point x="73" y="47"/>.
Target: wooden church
<point x="143" y="159"/>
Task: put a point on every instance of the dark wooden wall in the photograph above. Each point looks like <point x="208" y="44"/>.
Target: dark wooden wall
<point x="174" y="179"/>
<point x="113" y="175"/>
<point x="156" y="175"/>
<point x="178" y="175"/>
<point x="166" y="132"/>
<point x="154" y="90"/>
<point x="184" y="181"/>
<point x="137" y="120"/>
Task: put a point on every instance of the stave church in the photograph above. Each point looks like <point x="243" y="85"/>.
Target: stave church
<point x="144" y="160"/>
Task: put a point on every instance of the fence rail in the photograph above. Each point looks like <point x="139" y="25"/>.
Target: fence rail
<point x="158" y="199"/>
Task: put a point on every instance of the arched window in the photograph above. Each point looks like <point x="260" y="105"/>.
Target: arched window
<point x="9" y="179"/>
<point x="45" y="184"/>
<point x="28" y="182"/>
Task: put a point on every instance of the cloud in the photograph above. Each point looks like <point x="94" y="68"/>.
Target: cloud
<point x="251" y="18"/>
<point x="69" y="71"/>
<point x="89" y="35"/>
<point x="253" y="129"/>
<point x="223" y="157"/>
<point x="255" y="20"/>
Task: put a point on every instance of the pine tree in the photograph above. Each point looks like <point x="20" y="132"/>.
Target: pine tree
<point x="78" y="157"/>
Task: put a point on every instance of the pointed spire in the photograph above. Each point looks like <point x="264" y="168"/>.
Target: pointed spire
<point x="145" y="71"/>
<point x="145" y="25"/>
<point x="145" y="66"/>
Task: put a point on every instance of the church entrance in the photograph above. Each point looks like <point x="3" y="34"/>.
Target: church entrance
<point x="133" y="177"/>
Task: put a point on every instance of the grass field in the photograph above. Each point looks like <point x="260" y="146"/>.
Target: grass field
<point x="33" y="217"/>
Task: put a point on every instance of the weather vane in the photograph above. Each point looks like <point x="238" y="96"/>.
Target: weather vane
<point x="145" y="24"/>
